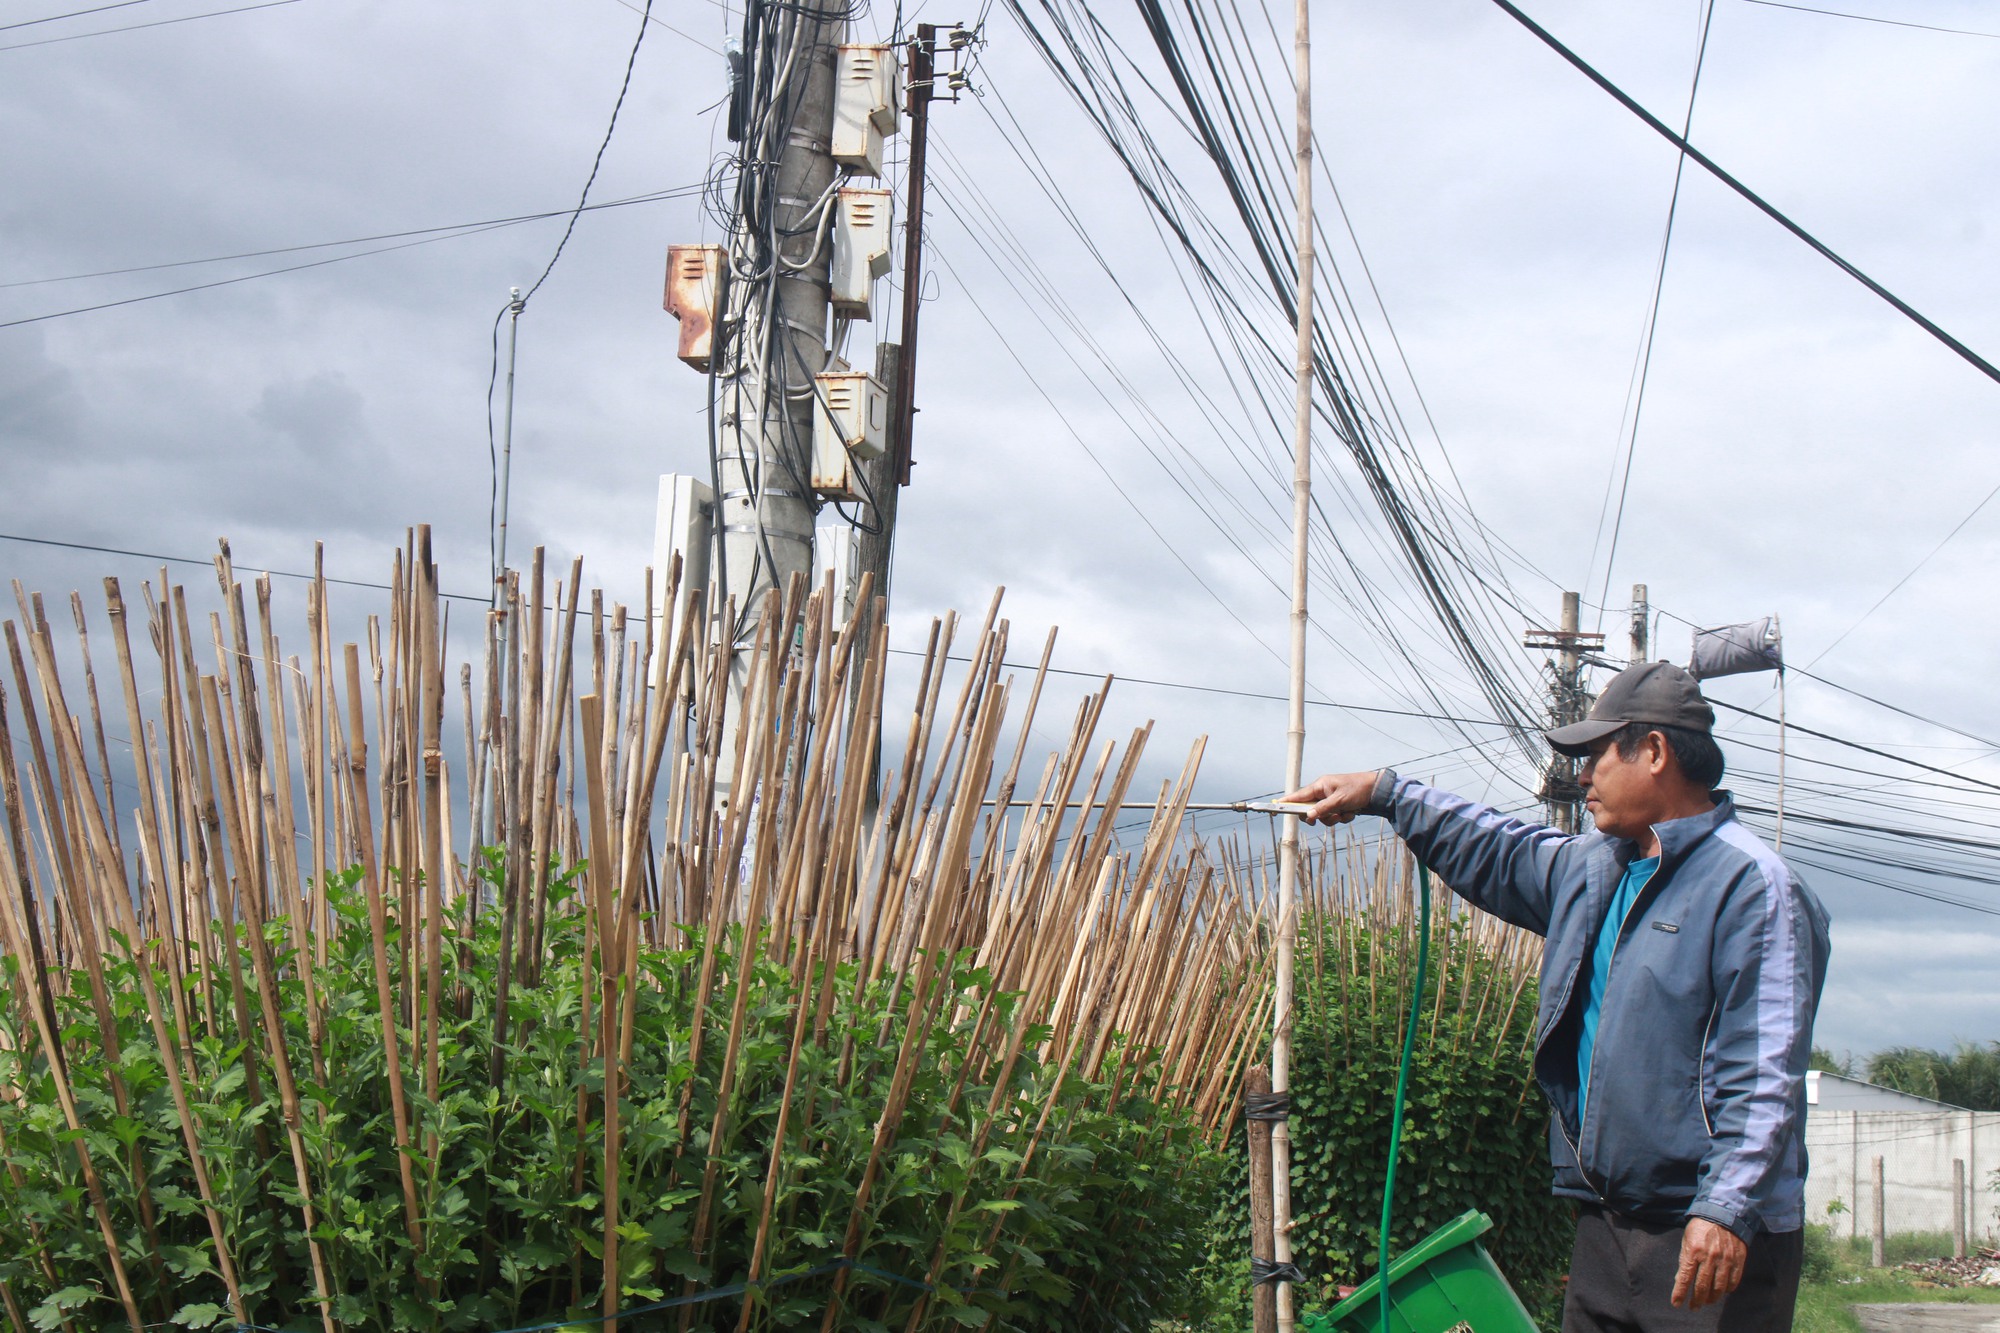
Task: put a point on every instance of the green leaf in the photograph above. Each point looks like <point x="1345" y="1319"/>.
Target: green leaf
<point x="199" y="1316"/>
<point x="51" y="1313"/>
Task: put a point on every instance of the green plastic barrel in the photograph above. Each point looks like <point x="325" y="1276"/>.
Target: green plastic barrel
<point x="1445" y="1284"/>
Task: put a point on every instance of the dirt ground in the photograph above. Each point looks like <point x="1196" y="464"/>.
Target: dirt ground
<point x="1939" y="1318"/>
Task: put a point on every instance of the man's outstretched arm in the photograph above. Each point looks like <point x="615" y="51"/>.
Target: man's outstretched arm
<point x="1494" y="861"/>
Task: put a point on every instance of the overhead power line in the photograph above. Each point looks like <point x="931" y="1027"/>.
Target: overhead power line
<point x="1233" y="693"/>
<point x="209" y="564"/>
<point x="73" y="14"/>
<point x="1914" y="570"/>
<point x="1972" y="358"/>
<point x="1870" y="18"/>
<point x="1885" y="830"/>
<point x="156" y="23"/>
<point x="1218" y="92"/>
<point x="678" y="32"/>
<point x="1941" y="725"/>
<point x="651" y="196"/>
<point x="1857" y="745"/>
<point x="1894" y="708"/>
<point x="1644" y="374"/>
<point x="159" y="558"/>
<point x="1833" y="868"/>
<point x="624" y="86"/>
<point x="496" y="517"/>
<point x="449" y="235"/>
<point x="242" y="277"/>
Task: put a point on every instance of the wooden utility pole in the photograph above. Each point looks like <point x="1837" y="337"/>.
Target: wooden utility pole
<point x="1295" y="730"/>
<point x="1263" y="1297"/>
<point x="896" y="363"/>
<point x="880" y="476"/>
<point x="922" y="86"/>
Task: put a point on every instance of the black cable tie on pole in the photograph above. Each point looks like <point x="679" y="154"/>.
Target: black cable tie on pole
<point x="1267" y="1106"/>
<point x="1264" y="1271"/>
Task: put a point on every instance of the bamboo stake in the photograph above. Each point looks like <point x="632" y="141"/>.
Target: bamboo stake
<point x="357" y="751"/>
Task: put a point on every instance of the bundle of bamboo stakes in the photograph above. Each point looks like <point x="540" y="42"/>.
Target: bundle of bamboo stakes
<point x="1355" y="894"/>
<point x="808" y="1017"/>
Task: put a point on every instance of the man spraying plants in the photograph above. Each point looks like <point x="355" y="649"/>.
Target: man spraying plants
<point x="1679" y="983"/>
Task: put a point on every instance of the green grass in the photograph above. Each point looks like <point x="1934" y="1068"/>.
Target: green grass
<point x="1823" y="1306"/>
<point x="1838" y="1277"/>
<point x="1900" y="1249"/>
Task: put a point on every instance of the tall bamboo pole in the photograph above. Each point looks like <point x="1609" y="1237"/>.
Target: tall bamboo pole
<point x="1295" y="730"/>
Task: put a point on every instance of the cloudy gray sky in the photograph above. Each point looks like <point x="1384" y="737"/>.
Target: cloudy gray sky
<point x="1803" y="448"/>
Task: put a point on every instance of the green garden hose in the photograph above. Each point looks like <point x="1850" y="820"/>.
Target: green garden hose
<point x="1402" y="1089"/>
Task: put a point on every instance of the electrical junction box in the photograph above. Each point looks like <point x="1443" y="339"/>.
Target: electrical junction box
<point x="860" y="249"/>
<point x="868" y="86"/>
<point x="684" y="526"/>
<point x="694" y="279"/>
<point x="836" y="550"/>
<point x="850" y="423"/>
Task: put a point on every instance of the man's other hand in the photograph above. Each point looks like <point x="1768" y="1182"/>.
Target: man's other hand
<point x="1711" y="1264"/>
<point x="1336" y="798"/>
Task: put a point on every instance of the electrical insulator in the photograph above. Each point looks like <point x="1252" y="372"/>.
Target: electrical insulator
<point x="867" y="91"/>
<point x="850" y="423"/>
<point x="860" y="249"/>
<point x="694" y="277"/>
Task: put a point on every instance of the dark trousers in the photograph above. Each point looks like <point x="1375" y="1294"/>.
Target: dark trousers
<point x="1621" y="1280"/>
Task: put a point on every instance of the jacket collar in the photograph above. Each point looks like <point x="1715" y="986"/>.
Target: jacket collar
<point x="1678" y="837"/>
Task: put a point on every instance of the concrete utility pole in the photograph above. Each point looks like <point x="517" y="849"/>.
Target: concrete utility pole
<point x="765" y="509"/>
<point x="793" y="424"/>
<point x="1642" y="619"/>
<point x="1568" y="702"/>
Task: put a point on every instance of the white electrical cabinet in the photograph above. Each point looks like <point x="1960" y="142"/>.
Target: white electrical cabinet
<point x="850" y="423"/>
<point x="860" y="249"/>
<point x="684" y="526"/>
<point x="694" y="277"/>
<point x="868" y="87"/>
<point x="836" y="551"/>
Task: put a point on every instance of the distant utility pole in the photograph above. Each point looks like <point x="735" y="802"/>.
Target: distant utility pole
<point x="1568" y="702"/>
<point x="515" y="305"/>
<point x="1642" y="618"/>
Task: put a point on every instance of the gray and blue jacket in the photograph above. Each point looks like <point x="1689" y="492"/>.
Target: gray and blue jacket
<point x="1697" y="1081"/>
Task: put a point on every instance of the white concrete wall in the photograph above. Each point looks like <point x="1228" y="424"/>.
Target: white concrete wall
<point x="1917" y="1149"/>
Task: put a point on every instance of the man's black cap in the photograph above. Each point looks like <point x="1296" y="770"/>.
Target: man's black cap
<point x="1658" y="693"/>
